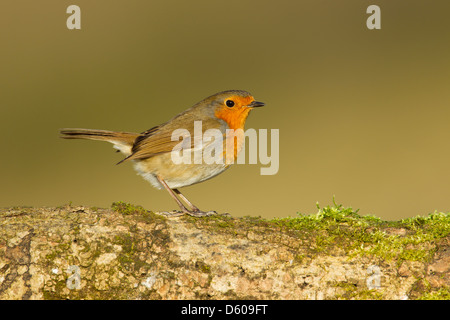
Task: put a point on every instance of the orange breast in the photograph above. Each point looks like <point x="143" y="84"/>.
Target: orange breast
<point x="235" y="118"/>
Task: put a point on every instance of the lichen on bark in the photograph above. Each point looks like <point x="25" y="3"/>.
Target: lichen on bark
<point x="127" y="252"/>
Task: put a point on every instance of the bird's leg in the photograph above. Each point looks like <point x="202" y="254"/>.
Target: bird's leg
<point x="172" y="194"/>
<point x="194" y="208"/>
<point x="196" y="212"/>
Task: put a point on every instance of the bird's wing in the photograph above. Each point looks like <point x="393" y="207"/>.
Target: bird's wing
<point x="164" y="138"/>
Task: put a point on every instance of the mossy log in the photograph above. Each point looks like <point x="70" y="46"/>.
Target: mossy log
<point x="127" y="252"/>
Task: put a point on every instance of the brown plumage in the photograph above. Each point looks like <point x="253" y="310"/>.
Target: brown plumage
<point x="150" y="151"/>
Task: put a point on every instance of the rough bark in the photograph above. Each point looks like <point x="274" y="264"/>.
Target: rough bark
<point x="89" y="253"/>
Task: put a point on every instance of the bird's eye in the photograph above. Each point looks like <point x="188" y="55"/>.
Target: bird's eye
<point x="230" y="103"/>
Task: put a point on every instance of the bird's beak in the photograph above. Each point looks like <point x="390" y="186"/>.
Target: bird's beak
<point x="256" y="104"/>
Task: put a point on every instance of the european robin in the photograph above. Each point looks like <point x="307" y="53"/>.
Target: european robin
<point x="151" y="150"/>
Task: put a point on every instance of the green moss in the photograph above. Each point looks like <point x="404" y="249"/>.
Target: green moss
<point x="56" y="293"/>
<point x="126" y="208"/>
<point x="367" y="295"/>
<point x="130" y="209"/>
<point x="353" y="292"/>
<point x="203" y="267"/>
<point x="441" y="294"/>
<point x="129" y="255"/>
<point x="360" y="235"/>
<point x="234" y="226"/>
<point x="126" y="256"/>
<point x="341" y="227"/>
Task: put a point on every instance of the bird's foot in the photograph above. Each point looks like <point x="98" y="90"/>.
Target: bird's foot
<point x="193" y="213"/>
<point x="172" y="214"/>
<point x="199" y="213"/>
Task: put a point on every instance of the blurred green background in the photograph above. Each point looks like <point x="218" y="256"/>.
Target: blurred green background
<point x="363" y="114"/>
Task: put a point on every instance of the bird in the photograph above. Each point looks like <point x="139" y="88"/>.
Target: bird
<point x="151" y="151"/>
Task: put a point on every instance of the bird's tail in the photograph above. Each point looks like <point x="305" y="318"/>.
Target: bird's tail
<point x="123" y="141"/>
